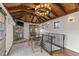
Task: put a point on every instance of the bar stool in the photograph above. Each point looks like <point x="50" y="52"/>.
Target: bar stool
<point x="34" y="42"/>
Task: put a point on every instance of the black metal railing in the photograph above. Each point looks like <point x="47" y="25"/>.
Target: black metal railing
<point x="52" y="42"/>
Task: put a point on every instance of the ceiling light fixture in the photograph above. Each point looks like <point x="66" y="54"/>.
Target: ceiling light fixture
<point x="42" y="9"/>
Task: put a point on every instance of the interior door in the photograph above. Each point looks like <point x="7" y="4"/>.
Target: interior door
<point x="2" y="34"/>
<point x="33" y="29"/>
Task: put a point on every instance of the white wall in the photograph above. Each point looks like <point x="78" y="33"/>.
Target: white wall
<point x="9" y="30"/>
<point x="26" y="30"/>
<point x="71" y="30"/>
<point x="9" y="34"/>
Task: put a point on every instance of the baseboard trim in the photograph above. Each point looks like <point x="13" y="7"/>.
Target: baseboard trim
<point x="72" y="49"/>
<point x="73" y="52"/>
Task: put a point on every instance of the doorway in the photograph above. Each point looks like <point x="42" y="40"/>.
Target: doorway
<point x="19" y="31"/>
<point x="33" y="29"/>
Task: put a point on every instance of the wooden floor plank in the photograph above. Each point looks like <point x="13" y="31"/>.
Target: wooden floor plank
<point x="65" y="52"/>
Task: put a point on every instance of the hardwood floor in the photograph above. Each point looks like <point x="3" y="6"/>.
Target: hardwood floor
<point x="65" y="52"/>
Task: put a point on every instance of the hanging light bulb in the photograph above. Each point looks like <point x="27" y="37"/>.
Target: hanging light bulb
<point x="45" y="5"/>
<point x="41" y="5"/>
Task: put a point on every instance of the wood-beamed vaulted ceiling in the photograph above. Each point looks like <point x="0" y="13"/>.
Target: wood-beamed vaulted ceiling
<point x="26" y="11"/>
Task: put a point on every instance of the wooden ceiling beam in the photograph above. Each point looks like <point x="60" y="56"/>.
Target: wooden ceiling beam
<point x="25" y="18"/>
<point x="61" y="7"/>
<point x="42" y="19"/>
<point x="24" y="12"/>
<point x="21" y="11"/>
<point x="29" y="13"/>
<point x="18" y="16"/>
<point x="22" y="6"/>
<point x="49" y="16"/>
<point x="39" y="19"/>
<point x="32" y="18"/>
<point x="28" y="7"/>
<point x="28" y="19"/>
<point x="23" y="21"/>
<point x="18" y="10"/>
<point x="11" y="11"/>
<point x="36" y="21"/>
<point x="54" y="13"/>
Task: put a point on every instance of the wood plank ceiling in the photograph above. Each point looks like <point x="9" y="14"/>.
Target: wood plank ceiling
<point x="25" y="11"/>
